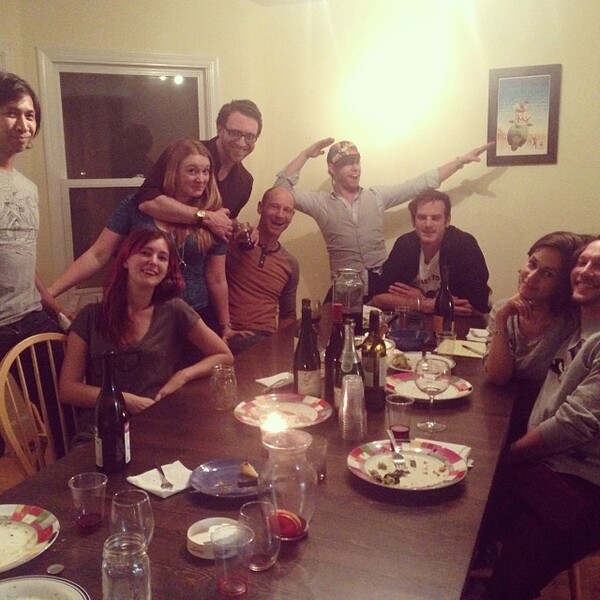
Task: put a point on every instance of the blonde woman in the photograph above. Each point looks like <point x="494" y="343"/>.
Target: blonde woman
<point x="189" y="178"/>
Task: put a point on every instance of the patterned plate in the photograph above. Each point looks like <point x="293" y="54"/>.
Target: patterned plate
<point x="41" y="586"/>
<point x="404" y="383"/>
<point x="25" y="532"/>
<point x="413" y="358"/>
<point x="430" y="466"/>
<point x="298" y="411"/>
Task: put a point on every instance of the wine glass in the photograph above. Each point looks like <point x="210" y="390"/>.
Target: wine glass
<point x="131" y="512"/>
<point x="432" y="376"/>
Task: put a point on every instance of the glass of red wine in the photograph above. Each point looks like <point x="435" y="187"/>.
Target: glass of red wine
<point x="88" y="491"/>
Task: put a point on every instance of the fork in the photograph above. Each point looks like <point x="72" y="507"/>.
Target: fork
<point x="165" y="483"/>
<point x="397" y="458"/>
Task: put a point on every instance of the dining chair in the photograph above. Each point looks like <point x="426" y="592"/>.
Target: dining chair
<point x="35" y="425"/>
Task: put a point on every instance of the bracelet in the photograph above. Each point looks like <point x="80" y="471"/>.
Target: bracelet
<point x="418" y="304"/>
<point x="461" y="163"/>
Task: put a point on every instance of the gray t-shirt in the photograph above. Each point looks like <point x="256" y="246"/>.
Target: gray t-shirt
<point x="145" y="367"/>
<point x="19" y="223"/>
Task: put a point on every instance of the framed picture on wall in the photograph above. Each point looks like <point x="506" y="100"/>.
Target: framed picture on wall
<point x="523" y="108"/>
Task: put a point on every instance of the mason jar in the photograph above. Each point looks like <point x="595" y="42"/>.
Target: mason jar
<point x="125" y="568"/>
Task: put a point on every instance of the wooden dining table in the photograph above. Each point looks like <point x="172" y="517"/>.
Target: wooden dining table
<point x="364" y="542"/>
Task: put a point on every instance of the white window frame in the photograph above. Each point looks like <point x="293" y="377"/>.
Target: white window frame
<point x="51" y="62"/>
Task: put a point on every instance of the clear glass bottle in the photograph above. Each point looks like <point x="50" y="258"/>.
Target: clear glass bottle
<point x="352" y="416"/>
<point x="349" y="363"/>
<point x="349" y="290"/>
<point x="125" y="568"/>
<point x="289" y="481"/>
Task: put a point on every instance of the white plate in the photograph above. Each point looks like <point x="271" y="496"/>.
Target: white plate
<point x="414" y="357"/>
<point x="430" y="465"/>
<point x="459" y="388"/>
<point x="41" y="587"/>
<point x="25" y="532"/>
<point x="298" y="411"/>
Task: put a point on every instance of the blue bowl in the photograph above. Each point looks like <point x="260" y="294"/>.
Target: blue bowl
<point x="409" y="340"/>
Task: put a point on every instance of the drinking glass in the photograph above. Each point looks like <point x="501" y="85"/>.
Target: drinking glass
<point x="88" y="491"/>
<point x="131" y="512"/>
<point x="223" y="384"/>
<point x="432" y="376"/>
<point x="261" y="517"/>
<point x="231" y="546"/>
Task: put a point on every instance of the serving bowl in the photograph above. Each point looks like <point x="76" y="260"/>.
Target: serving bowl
<point x="409" y="339"/>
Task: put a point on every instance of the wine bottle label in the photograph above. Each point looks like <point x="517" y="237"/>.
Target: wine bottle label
<point x="309" y="383"/>
<point x="374" y="371"/>
<point x="98" y="451"/>
<point x="127" y="445"/>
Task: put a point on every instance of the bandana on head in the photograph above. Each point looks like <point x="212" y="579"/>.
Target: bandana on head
<point x="342" y="150"/>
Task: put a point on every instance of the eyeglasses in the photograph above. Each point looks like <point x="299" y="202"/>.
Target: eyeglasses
<point x="236" y="134"/>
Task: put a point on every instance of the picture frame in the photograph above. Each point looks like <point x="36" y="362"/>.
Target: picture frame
<point x="523" y="108"/>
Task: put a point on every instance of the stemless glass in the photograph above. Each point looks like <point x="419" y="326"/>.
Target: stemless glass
<point x="432" y="376"/>
<point x="131" y="512"/>
<point x="261" y="517"/>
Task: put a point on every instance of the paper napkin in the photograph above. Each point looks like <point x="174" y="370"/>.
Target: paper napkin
<point x="478" y="335"/>
<point x="277" y="381"/>
<point x="461" y="450"/>
<point x="177" y="473"/>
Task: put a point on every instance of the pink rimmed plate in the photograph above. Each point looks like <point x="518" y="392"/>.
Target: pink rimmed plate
<point x="25" y="532"/>
<point x="298" y="411"/>
<point x="430" y="466"/>
<point x="404" y="384"/>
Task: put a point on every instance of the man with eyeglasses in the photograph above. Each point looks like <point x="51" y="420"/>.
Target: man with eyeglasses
<point x="239" y="123"/>
<point x="350" y="217"/>
<point x="262" y="281"/>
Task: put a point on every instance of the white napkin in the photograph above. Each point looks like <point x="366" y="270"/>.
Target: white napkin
<point x="277" y="381"/>
<point x="478" y="335"/>
<point x="461" y="450"/>
<point x="177" y="473"/>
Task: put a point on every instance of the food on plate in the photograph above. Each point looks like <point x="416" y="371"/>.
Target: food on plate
<point x="420" y="471"/>
<point x="290" y="524"/>
<point x="247" y="469"/>
<point x="399" y="361"/>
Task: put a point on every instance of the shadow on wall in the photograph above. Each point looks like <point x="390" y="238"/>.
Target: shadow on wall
<point x="398" y="222"/>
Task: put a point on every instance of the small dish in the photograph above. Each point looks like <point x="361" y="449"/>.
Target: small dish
<point x="198" y="536"/>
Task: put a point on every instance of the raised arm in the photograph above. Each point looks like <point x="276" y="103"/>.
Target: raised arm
<point x="459" y="162"/>
<point x="314" y="150"/>
<point x="89" y="263"/>
<point x="48" y="302"/>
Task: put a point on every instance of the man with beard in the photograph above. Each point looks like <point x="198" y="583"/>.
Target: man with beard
<point x="239" y="124"/>
<point x="262" y="281"/>
<point x="411" y="274"/>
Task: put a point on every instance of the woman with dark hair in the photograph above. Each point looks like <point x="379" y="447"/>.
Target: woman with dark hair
<point x="145" y="323"/>
<point x="524" y="330"/>
<point x="190" y="179"/>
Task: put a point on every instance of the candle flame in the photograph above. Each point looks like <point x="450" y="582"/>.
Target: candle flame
<point x="273" y="423"/>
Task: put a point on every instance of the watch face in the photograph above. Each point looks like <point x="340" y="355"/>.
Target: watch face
<point x="200" y="214"/>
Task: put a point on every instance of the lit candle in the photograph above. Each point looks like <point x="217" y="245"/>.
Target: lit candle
<point x="272" y="424"/>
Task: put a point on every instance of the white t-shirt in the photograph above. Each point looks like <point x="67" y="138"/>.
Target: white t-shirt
<point x="428" y="278"/>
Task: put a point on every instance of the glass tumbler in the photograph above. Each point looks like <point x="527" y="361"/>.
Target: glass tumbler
<point x="125" y="568"/>
<point x="223" y="385"/>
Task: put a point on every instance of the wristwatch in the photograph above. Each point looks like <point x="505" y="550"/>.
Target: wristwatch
<point x="200" y="214"/>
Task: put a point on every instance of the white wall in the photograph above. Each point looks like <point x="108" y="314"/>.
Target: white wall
<point x="407" y="81"/>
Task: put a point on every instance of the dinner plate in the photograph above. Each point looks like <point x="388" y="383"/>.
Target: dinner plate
<point x="430" y="466"/>
<point x="221" y="478"/>
<point x="25" y="532"/>
<point x="41" y="587"/>
<point x="414" y="357"/>
<point x="298" y="411"/>
<point x="404" y="384"/>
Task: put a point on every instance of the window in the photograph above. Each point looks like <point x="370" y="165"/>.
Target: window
<point x="107" y="117"/>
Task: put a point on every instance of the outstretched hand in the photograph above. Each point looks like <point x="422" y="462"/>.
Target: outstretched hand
<point x="318" y="148"/>
<point x="474" y="155"/>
